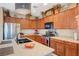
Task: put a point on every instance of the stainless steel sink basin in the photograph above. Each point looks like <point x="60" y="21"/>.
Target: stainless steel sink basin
<point x="25" y="40"/>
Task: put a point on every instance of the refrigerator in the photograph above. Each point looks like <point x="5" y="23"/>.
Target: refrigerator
<point x="11" y="30"/>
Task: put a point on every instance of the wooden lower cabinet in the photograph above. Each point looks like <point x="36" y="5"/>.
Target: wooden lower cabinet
<point x="65" y="48"/>
<point x="34" y="37"/>
<point x="38" y="38"/>
<point x="44" y="41"/>
<point x="60" y="49"/>
<point x="78" y="49"/>
<point x="41" y="39"/>
<point x="30" y="36"/>
<point x="58" y="45"/>
<point x="53" y="44"/>
<point x="70" y="49"/>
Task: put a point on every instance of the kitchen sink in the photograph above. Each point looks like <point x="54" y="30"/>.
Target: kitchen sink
<point x="25" y="40"/>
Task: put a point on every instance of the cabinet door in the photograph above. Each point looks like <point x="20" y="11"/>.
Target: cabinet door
<point x="32" y="24"/>
<point x="24" y="23"/>
<point x="44" y="41"/>
<point x="66" y="19"/>
<point x="70" y="49"/>
<point x="78" y="50"/>
<point x="39" y="24"/>
<point x="58" y="45"/>
<point x="38" y="38"/>
<point x="53" y="44"/>
<point x="42" y="21"/>
<point x="60" y="49"/>
<point x="30" y="36"/>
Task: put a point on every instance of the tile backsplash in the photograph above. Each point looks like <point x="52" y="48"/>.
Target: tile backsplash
<point x="31" y="31"/>
<point x="68" y="33"/>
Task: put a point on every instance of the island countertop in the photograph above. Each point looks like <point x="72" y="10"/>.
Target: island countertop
<point x="38" y="50"/>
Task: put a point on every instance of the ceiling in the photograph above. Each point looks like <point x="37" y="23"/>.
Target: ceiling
<point x="35" y="10"/>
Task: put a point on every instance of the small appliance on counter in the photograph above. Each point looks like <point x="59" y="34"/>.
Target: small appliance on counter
<point x="36" y="31"/>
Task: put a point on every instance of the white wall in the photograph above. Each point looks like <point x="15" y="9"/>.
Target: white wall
<point x="1" y="25"/>
<point x="10" y="6"/>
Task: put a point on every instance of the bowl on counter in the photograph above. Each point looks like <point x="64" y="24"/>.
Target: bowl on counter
<point x="29" y="45"/>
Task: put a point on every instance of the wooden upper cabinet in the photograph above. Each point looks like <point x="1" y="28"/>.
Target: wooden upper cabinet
<point x="62" y="20"/>
<point x="41" y="24"/>
<point x="70" y="49"/>
<point x="66" y="19"/>
<point x="58" y="21"/>
<point x="28" y="24"/>
<point x="24" y="24"/>
<point x="10" y="19"/>
<point x="77" y="19"/>
<point x="32" y="24"/>
<point x="45" y="20"/>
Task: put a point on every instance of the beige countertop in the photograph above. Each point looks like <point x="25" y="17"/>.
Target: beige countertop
<point x="66" y="39"/>
<point x="38" y="50"/>
<point x="32" y="34"/>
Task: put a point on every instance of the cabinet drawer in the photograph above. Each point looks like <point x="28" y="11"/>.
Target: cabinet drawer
<point x="71" y="44"/>
<point x="60" y="41"/>
<point x="60" y="49"/>
<point x="53" y="43"/>
<point x="60" y="53"/>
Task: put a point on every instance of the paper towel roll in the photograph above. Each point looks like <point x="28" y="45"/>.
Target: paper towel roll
<point x="75" y="35"/>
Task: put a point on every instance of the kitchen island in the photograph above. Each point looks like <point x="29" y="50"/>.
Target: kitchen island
<point x="38" y="50"/>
